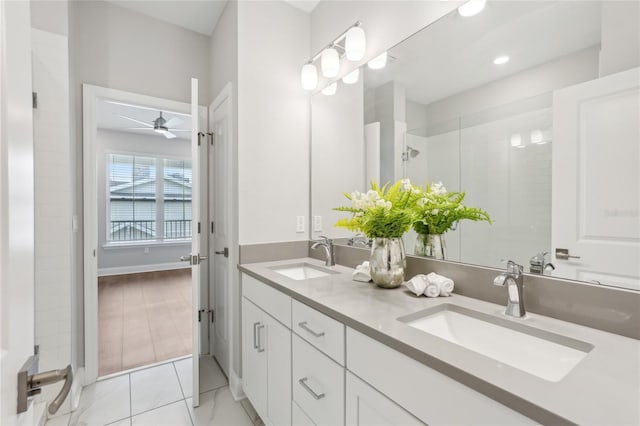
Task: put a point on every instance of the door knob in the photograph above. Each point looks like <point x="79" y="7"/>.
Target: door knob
<point x="193" y="259"/>
<point x="563" y="254"/>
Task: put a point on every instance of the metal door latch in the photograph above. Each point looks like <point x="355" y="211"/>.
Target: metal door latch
<point x="30" y="383"/>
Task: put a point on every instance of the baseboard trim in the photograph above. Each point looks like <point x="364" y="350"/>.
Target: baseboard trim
<point x="235" y="386"/>
<point x="120" y="270"/>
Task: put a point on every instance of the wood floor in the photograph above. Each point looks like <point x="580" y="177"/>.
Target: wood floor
<point x="143" y="319"/>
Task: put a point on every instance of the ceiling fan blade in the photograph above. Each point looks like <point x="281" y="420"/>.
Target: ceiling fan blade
<point x="136" y="121"/>
<point x="179" y="130"/>
<point x="175" y="121"/>
<point x="169" y="135"/>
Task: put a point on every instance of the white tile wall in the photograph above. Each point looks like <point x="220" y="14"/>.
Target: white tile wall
<point x="52" y="205"/>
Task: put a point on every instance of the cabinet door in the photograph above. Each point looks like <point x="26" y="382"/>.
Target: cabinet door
<point x="254" y="359"/>
<point x="367" y="407"/>
<point x="278" y="349"/>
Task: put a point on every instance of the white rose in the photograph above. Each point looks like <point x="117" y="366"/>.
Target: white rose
<point x="438" y="188"/>
<point x="381" y="203"/>
<point x="388" y="205"/>
<point x="405" y="184"/>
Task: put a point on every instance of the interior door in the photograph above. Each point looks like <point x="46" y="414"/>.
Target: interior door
<point x="220" y="199"/>
<point x="596" y="151"/>
<point x="16" y="206"/>
<point x="195" y="257"/>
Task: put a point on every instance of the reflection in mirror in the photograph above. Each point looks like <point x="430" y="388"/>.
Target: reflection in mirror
<point x="547" y="141"/>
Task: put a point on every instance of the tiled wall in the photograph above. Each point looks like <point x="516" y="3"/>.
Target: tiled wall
<point x="52" y="206"/>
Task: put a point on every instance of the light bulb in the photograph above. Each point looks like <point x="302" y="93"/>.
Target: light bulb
<point x="355" y="44"/>
<point x="501" y="60"/>
<point x="330" y="90"/>
<point x="378" y="62"/>
<point x="309" y="77"/>
<point x="516" y="140"/>
<point x="330" y="62"/>
<point x="472" y="7"/>
<point x="352" y="77"/>
<point x="537" y="137"/>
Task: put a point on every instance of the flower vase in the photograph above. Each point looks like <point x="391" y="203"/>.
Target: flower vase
<point x="431" y="245"/>
<point x="387" y="262"/>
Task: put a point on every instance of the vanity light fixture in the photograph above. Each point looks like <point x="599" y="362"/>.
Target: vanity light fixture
<point x="350" y="44"/>
<point x="516" y="140"/>
<point x="330" y="62"/>
<point x="378" y="62"/>
<point x="537" y="137"/>
<point x="309" y="77"/>
<point x="352" y="77"/>
<point x="472" y="7"/>
<point x="331" y="89"/>
<point x="501" y="60"/>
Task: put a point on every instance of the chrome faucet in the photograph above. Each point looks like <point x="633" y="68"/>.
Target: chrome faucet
<point x="359" y="239"/>
<point x="514" y="280"/>
<point x="537" y="264"/>
<point x="327" y="244"/>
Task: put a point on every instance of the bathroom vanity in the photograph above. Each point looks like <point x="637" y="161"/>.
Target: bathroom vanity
<point x="319" y="348"/>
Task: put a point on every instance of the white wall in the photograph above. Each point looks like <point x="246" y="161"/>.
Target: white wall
<point x="160" y="256"/>
<point x="620" y="36"/>
<point x="337" y="155"/>
<point x="52" y="205"/>
<point x="273" y="122"/>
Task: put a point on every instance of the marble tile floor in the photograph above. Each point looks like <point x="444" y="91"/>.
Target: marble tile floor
<point x="161" y="396"/>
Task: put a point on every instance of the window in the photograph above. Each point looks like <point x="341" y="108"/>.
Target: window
<point x="141" y="207"/>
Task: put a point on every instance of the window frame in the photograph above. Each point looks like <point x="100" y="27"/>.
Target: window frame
<point x="159" y="216"/>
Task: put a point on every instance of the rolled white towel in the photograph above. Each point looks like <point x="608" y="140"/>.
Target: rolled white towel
<point x="417" y="284"/>
<point x="432" y="290"/>
<point x="445" y="284"/>
<point x="362" y="273"/>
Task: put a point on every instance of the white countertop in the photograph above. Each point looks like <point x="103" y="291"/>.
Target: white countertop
<point x="603" y="389"/>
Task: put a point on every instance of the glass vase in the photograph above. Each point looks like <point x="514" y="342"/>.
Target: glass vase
<point x="431" y="245"/>
<point x="387" y="262"/>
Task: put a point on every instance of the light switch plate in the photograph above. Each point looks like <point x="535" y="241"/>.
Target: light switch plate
<point x="317" y="223"/>
<point x="299" y="224"/>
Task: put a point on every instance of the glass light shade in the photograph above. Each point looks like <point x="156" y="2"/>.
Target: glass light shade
<point x="378" y="62"/>
<point x="309" y="77"/>
<point x="501" y="60"/>
<point x="330" y="62"/>
<point x="331" y="89"/>
<point x="355" y="44"/>
<point x="516" y="140"/>
<point x="472" y="7"/>
<point x="537" y="137"/>
<point x="352" y="77"/>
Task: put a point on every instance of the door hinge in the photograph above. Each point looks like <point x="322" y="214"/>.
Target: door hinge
<point x="213" y="227"/>
<point x="200" y="312"/>
<point x="212" y="137"/>
<point x="200" y="135"/>
<point x="198" y="227"/>
<point x="34" y="100"/>
<point x="212" y="315"/>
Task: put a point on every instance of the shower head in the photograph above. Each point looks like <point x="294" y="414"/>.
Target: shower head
<point x="409" y="153"/>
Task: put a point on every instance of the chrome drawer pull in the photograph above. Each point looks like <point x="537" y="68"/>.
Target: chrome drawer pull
<point x="304" y="384"/>
<point x="260" y="347"/>
<point x="255" y="344"/>
<point x="305" y="327"/>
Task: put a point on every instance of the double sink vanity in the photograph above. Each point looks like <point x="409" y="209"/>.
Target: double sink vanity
<point x="320" y="348"/>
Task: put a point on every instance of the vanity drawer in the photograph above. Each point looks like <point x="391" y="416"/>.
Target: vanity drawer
<point x="318" y="384"/>
<point x="321" y="331"/>
<point x="270" y="300"/>
<point x="298" y="417"/>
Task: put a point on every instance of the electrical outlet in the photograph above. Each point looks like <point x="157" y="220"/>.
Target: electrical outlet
<point x="317" y="223"/>
<point x="299" y="224"/>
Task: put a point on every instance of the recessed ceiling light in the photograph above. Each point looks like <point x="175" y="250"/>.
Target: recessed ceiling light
<point x="501" y="60"/>
<point x="471" y="8"/>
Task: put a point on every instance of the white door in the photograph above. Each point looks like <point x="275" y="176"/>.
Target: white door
<point x="195" y="240"/>
<point x="16" y="205"/>
<point x="596" y="180"/>
<point x="220" y="200"/>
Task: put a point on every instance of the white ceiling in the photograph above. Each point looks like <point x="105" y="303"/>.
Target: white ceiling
<point x="108" y="117"/>
<point x="456" y="54"/>
<point x="200" y="16"/>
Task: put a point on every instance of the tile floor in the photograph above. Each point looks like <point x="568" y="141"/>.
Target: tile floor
<point x="159" y="396"/>
<point x="143" y="319"/>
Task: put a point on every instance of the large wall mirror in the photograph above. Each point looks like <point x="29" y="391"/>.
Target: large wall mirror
<point x="530" y="108"/>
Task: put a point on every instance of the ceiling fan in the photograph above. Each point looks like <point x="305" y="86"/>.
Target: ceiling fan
<point x="159" y="125"/>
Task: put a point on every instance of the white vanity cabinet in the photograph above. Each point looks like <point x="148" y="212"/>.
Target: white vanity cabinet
<point x="266" y="351"/>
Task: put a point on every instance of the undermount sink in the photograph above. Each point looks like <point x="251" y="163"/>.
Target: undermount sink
<point x="302" y="271"/>
<point x="547" y="355"/>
